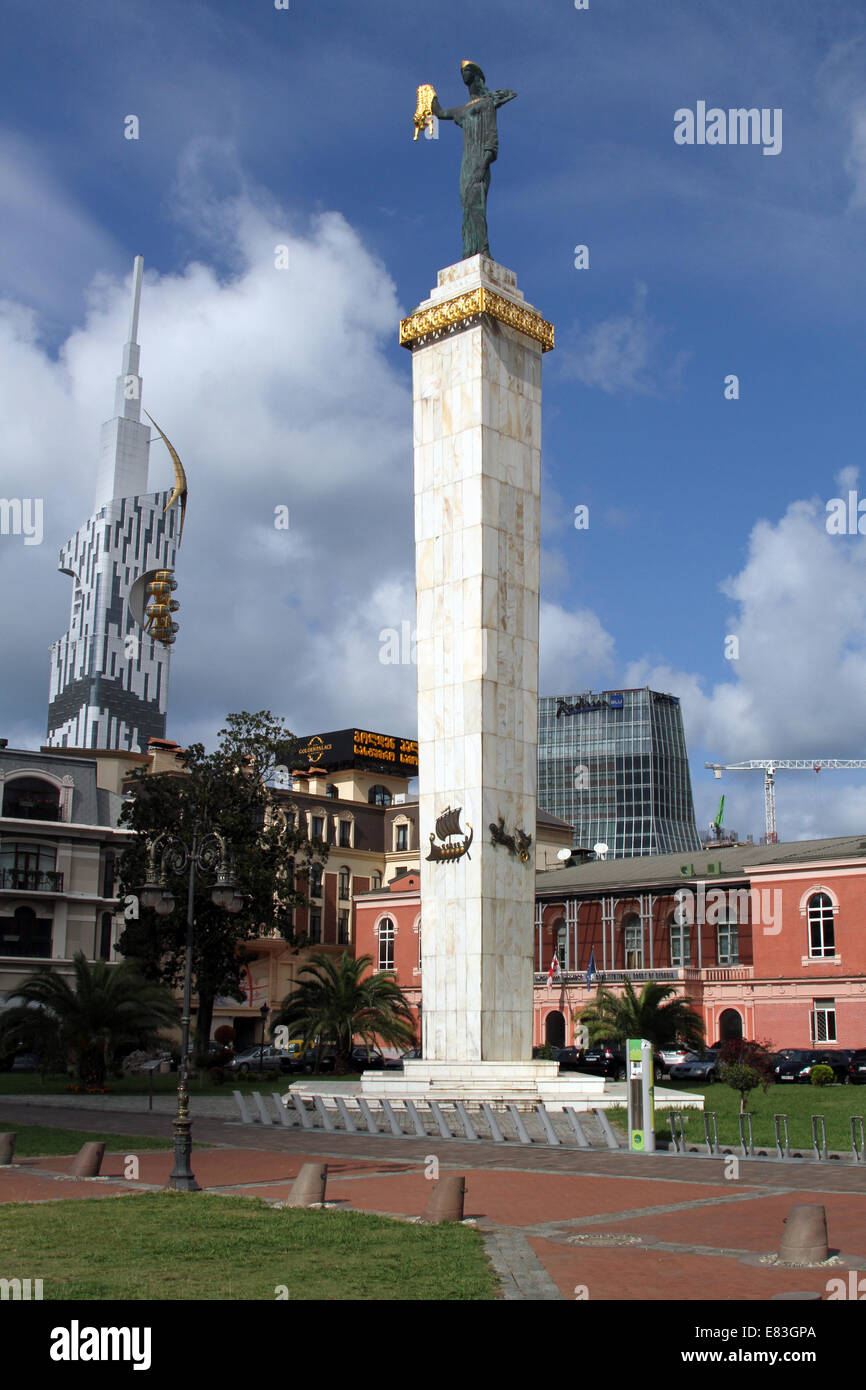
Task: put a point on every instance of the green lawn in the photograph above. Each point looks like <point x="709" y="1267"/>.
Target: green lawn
<point x="836" y="1103"/>
<point x="34" y="1140"/>
<point x="180" y="1246"/>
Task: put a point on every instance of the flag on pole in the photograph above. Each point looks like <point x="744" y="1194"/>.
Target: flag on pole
<point x="590" y="970"/>
<point x="553" y="973"/>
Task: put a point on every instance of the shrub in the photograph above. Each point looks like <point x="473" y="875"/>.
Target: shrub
<point x="218" y="1075"/>
<point x="822" y="1075"/>
<point x="742" y="1077"/>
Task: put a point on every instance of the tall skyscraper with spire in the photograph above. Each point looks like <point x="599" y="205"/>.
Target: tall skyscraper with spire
<point x="109" y="671"/>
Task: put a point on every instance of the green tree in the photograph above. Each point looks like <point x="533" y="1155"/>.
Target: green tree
<point x="741" y="1077"/>
<point x="106" y="1011"/>
<point x="230" y="790"/>
<point x="659" y="1014"/>
<point x="335" y="1001"/>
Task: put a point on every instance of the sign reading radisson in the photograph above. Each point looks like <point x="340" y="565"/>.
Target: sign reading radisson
<point x="362" y="749"/>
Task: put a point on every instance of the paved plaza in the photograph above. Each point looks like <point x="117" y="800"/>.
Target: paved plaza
<point x="558" y="1224"/>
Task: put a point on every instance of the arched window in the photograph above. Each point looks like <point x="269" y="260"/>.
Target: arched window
<point x="727" y="939"/>
<point x="376" y="880"/>
<point x="345" y="879"/>
<point x="25" y="934"/>
<point x="386" y="944"/>
<point x="31" y="798"/>
<point x="379" y="796"/>
<point x="822" y="928"/>
<point x="680" y="942"/>
<point x="332" y="791"/>
<point x="633" y="941"/>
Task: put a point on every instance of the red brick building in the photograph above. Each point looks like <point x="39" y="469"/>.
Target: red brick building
<point x="768" y="942"/>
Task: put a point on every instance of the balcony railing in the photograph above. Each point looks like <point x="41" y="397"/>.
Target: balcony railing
<point x="31" y="881"/>
<point x="709" y="974"/>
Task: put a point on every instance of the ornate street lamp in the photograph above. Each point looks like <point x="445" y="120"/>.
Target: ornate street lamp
<point x="169" y="854"/>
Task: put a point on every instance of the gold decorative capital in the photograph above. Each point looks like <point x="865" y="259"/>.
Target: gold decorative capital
<point x="439" y="318"/>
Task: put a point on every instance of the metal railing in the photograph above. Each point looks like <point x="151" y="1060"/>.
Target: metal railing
<point x="31" y="881"/>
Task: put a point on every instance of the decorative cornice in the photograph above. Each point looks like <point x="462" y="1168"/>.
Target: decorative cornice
<point x="439" y="318"/>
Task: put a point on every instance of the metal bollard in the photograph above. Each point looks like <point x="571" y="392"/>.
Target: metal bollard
<point x="7" y="1147"/>
<point x="859" y="1150"/>
<point x="783" y="1143"/>
<point x="308" y="1189"/>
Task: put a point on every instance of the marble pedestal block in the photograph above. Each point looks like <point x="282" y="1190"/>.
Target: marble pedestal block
<point x="477" y="417"/>
<point x="476" y="372"/>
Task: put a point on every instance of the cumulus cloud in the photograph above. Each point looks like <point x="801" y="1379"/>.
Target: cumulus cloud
<point x="627" y="354"/>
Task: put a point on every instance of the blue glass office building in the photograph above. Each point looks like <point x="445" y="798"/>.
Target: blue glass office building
<point x="615" y="766"/>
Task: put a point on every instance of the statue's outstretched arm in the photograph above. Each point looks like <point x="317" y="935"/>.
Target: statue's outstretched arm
<point x="449" y="115"/>
<point x="502" y="95"/>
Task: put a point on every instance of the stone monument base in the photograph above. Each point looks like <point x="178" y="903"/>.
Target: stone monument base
<point x="497" y="1083"/>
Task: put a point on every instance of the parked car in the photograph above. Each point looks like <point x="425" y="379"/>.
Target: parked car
<point x="25" y="1061"/>
<point x="367" y="1059"/>
<point x="797" y="1066"/>
<point x="609" y="1060"/>
<point x="697" y="1067"/>
<point x="672" y="1056"/>
<point x="857" y="1067"/>
<point x="396" y="1063"/>
<point x="569" y="1058"/>
<point x="263" y="1059"/>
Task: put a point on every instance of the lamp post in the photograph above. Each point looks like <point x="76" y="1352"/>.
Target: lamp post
<point x="264" y="1011"/>
<point x="170" y="854"/>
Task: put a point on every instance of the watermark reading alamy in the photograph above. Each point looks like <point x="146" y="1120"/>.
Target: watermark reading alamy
<point x="737" y="126"/>
<point x="20" y="1290"/>
<point x="22" y="516"/>
<point x="77" y="1343"/>
<point x="706" y="908"/>
<point x="846" y="517"/>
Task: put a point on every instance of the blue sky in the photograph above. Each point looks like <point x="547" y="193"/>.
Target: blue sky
<point x="258" y="126"/>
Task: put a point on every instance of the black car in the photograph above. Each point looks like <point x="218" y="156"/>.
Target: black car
<point x="366" y="1059"/>
<point x="609" y="1060"/>
<point x="569" y="1058"/>
<point x="396" y="1063"/>
<point x="797" y="1066"/>
<point x="857" y="1067"/>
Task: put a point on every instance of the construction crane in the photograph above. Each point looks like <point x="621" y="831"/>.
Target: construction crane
<point x="770" y="766"/>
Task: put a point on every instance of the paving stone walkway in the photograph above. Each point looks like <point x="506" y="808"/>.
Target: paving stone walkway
<point x="558" y="1224"/>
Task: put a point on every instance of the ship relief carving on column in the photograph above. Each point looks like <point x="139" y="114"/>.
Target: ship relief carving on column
<point x="448" y="832"/>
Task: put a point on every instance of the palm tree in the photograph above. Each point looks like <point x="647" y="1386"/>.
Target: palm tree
<point x="656" y="1016"/>
<point x="332" y="1002"/>
<point x="105" y="1011"/>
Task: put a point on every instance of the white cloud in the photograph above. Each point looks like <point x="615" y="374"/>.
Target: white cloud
<point x="575" y="652"/>
<point x="625" y="353"/>
<point x="276" y="389"/>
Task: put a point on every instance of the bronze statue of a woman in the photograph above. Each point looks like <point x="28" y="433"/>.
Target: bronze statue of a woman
<point x="480" y="147"/>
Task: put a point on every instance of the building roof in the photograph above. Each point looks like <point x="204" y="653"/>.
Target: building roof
<point x="598" y="875"/>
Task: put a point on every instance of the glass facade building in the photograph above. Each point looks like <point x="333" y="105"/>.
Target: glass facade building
<point x="615" y="766"/>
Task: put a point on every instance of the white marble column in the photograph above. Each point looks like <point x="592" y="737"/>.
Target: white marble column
<point x="477" y="407"/>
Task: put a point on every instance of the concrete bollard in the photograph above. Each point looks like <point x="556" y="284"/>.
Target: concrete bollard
<point x="7" y="1147"/>
<point x="805" y="1238"/>
<point x="87" y="1161"/>
<point x="445" y="1202"/>
<point x="308" y="1189"/>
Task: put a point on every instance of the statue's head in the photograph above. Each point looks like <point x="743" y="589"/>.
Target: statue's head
<point x="470" y="71"/>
